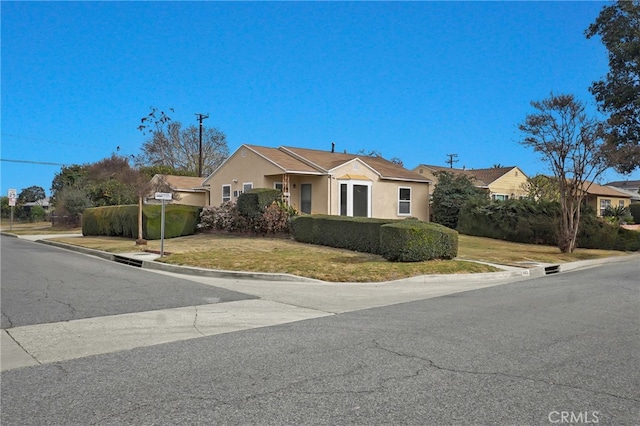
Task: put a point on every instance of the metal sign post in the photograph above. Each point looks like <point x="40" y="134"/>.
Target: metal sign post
<point x="164" y="196"/>
<point x="12" y="202"/>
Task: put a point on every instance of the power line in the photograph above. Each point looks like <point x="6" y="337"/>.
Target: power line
<point x="32" y="162"/>
<point x="48" y="141"/>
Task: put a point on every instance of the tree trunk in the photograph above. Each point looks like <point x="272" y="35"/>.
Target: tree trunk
<point x="140" y="241"/>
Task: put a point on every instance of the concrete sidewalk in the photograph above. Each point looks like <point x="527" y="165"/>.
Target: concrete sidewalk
<point x="282" y="299"/>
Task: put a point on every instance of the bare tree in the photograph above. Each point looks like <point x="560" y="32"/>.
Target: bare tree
<point x="571" y="143"/>
<point x="171" y="145"/>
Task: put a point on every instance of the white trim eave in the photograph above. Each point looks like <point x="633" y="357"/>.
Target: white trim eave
<point x="407" y="180"/>
<point x="195" y="190"/>
<point x="354" y="160"/>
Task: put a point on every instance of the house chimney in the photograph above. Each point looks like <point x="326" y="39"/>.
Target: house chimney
<point x="333" y="147"/>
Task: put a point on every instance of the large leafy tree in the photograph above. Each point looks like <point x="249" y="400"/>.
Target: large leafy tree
<point x="73" y="176"/>
<point x="618" y="94"/>
<point x="542" y="188"/>
<point x="31" y="194"/>
<point x="451" y="193"/>
<point x="571" y="143"/>
<point x="172" y="145"/>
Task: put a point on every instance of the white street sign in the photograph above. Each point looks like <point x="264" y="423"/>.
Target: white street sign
<point x="13" y="195"/>
<point x="163" y="196"/>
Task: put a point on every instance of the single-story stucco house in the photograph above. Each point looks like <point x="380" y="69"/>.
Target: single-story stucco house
<point x="501" y="183"/>
<point x="186" y="190"/>
<point x="323" y="182"/>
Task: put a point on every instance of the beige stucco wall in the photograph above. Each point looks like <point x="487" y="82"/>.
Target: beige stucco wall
<point x="513" y="182"/>
<point x="244" y="166"/>
<point x="191" y="198"/>
<point x="384" y="193"/>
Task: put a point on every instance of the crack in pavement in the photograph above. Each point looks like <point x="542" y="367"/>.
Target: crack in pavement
<point x="8" y="319"/>
<point x="22" y="347"/>
<point x="195" y="322"/>
<point x="432" y="364"/>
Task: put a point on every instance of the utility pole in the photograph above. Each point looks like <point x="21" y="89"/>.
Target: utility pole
<point x="451" y="160"/>
<point x="200" y="118"/>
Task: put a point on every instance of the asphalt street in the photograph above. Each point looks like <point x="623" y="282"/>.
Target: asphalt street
<point x="526" y="352"/>
<point x="45" y="284"/>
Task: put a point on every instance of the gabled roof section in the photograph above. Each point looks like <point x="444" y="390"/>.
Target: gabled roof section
<point x="284" y="160"/>
<point x="327" y="161"/>
<point x="468" y="173"/>
<point x="492" y="174"/>
<point x="605" y="191"/>
<point x="182" y="183"/>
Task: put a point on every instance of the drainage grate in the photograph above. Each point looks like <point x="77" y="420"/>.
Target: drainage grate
<point x="128" y="261"/>
<point x="552" y="269"/>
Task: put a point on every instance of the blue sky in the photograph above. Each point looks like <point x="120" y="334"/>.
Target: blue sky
<point x="411" y="80"/>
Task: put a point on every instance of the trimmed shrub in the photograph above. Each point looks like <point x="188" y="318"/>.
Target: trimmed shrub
<point x="415" y="241"/>
<point x="180" y="220"/>
<point x="352" y="233"/>
<point x="252" y="203"/>
<point x="634" y="209"/>
<point x="113" y="221"/>
<point x="122" y="221"/>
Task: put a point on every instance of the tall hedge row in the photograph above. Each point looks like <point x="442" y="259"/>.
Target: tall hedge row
<point x="531" y="222"/>
<point x="122" y="221"/>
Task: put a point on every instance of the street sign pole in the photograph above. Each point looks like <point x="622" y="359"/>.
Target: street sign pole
<point x="164" y="196"/>
<point x="162" y="231"/>
<point x="13" y="194"/>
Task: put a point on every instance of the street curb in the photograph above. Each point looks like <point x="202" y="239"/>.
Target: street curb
<point x="534" y="272"/>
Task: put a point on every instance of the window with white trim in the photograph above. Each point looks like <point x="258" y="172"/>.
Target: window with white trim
<point x="499" y="197"/>
<point x="278" y="186"/>
<point x="604" y="203"/>
<point x="247" y="186"/>
<point x="226" y="193"/>
<point x="404" y="201"/>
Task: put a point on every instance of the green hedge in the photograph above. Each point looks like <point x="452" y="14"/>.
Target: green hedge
<point x="352" y="233"/>
<point x="406" y="240"/>
<point x="113" y="221"/>
<point x="180" y="220"/>
<point x="122" y="221"/>
<point x="253" y="202"/>
<point x="415" y="241"/>
<point x="531" y="222"/>
<point x="634" y="209"/>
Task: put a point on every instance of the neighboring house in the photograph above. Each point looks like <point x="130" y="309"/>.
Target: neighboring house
<point x="43" y="202"/>
<point x="323" y="182"/>
<point x="600" y="197"/>
<point x="186" y="189"/>
<point x="501" y="183"/>
<point x="630" y="187"/>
